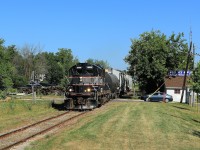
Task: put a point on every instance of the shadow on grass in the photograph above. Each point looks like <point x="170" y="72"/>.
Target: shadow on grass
<point x="196" y="133"/>
<point x="130" y="96"/>
<point x="126" y="96"/>
<point x="177" y="117"/>
<point x="181" y="108"/>
<point x="196" y="121"/>
<point x="59" y="107"/>
<point x="188" y="119"/>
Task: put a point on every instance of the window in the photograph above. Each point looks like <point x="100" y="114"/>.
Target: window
<point x="177" y="91"/>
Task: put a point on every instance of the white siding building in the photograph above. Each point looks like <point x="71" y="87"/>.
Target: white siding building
<point x="173" y="87"/>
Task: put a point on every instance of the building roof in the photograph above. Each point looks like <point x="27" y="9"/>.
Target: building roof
<point x="176" y="82"/>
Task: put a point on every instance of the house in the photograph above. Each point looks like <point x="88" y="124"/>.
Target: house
<point x="173" y="87"/>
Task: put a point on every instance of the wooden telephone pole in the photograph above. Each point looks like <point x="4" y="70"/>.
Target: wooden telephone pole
<point x="32" y="85"/>
<point x="185" y="75"/>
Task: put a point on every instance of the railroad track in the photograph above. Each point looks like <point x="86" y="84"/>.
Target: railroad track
<point x="18" y="136"/>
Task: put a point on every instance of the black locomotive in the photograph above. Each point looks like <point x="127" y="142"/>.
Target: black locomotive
<point x="90" y="87"/>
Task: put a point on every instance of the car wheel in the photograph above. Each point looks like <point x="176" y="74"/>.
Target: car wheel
<point x="166" y="100"/>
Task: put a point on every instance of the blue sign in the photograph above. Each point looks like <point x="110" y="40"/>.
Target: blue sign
<point x="180" y="73"/>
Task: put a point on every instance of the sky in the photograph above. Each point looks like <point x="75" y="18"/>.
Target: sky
<point x="97" y="29"/>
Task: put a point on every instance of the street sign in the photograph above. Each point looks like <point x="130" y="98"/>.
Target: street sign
<point x="179" y="73"/>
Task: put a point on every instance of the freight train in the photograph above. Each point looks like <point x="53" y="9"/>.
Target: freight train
<point x="91" y="86"/>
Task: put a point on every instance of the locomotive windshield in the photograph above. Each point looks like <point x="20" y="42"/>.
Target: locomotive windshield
<point x="82" y="71"/>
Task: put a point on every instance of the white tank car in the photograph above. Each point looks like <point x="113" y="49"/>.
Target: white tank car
<point x="125" y="80"/>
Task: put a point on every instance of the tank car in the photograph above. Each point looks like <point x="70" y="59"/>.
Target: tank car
<point x="90" y="87"/>
<point x="125" y="81"/>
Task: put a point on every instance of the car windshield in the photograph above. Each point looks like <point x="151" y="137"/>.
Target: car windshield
<point x="159" y="93"/>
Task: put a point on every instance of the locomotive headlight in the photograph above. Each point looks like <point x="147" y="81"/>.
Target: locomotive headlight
<point x="88" y="90"/>
<point x="70" y="90"/>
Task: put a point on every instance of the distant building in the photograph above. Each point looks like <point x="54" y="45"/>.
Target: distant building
<point x="173" y="87"/>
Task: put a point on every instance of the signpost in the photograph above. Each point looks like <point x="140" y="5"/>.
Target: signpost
<point x="32" y="85"/>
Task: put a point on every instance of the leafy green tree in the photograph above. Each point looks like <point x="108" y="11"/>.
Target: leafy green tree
<point x="102" y="63"/>
<point x="58" y="65"/>
<point x="195" y="79"/>
<point x="53" y="70"/>
<point x="65" y="60"/>
<point x="13" y="56"/>
<point x="6" y="68"/>
<point x="153" y="55"/>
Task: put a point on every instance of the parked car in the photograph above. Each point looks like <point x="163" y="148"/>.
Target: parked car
<point x="157" y="97"/>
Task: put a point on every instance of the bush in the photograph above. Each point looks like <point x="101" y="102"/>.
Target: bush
<point x="3" y="94"/>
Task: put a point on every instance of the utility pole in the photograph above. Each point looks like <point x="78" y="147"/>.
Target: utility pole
<point x="186" y="69"/>
<point x="193" y="99"/>
<point x="32" y="85"/>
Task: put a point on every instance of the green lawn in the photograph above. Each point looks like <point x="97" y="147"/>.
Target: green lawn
<point x="131" y="125"/>
<point x="17" y="113"/>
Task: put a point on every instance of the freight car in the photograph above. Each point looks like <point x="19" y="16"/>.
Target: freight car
<point x="90" y="87"/>
<point x="125" y="81"/>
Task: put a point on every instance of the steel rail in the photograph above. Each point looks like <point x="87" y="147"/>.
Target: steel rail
<point x="31" y="125"/>
<point x="42" y="132"/>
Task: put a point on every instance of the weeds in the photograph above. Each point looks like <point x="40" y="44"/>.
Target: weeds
<point x="12" y="105"/>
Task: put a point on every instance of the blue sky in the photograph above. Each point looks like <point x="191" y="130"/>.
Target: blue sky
<point x="98" y="29"/>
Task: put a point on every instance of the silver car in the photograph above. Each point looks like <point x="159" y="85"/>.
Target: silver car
<point x="157" y="97"/>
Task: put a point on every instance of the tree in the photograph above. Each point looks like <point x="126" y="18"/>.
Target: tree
<point x="54" y="72"/>
<point x="195" y="82"/>
<point x="195" y="79"/>
<point x="58" y="65"/>
<point x="153" y="55"/>
<point x="6" y="68"/>
<point x="66" y="59"/>
<point x="102" y="63"/>
<point x="40" y="63"/>
<point x="28" y="54"/>
<point x="16" y="60"/>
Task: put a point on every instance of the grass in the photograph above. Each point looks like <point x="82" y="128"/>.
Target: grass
<point x="128" y="125"/>
<point x="15" y="113"/>
<point x="38" y="97"/>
